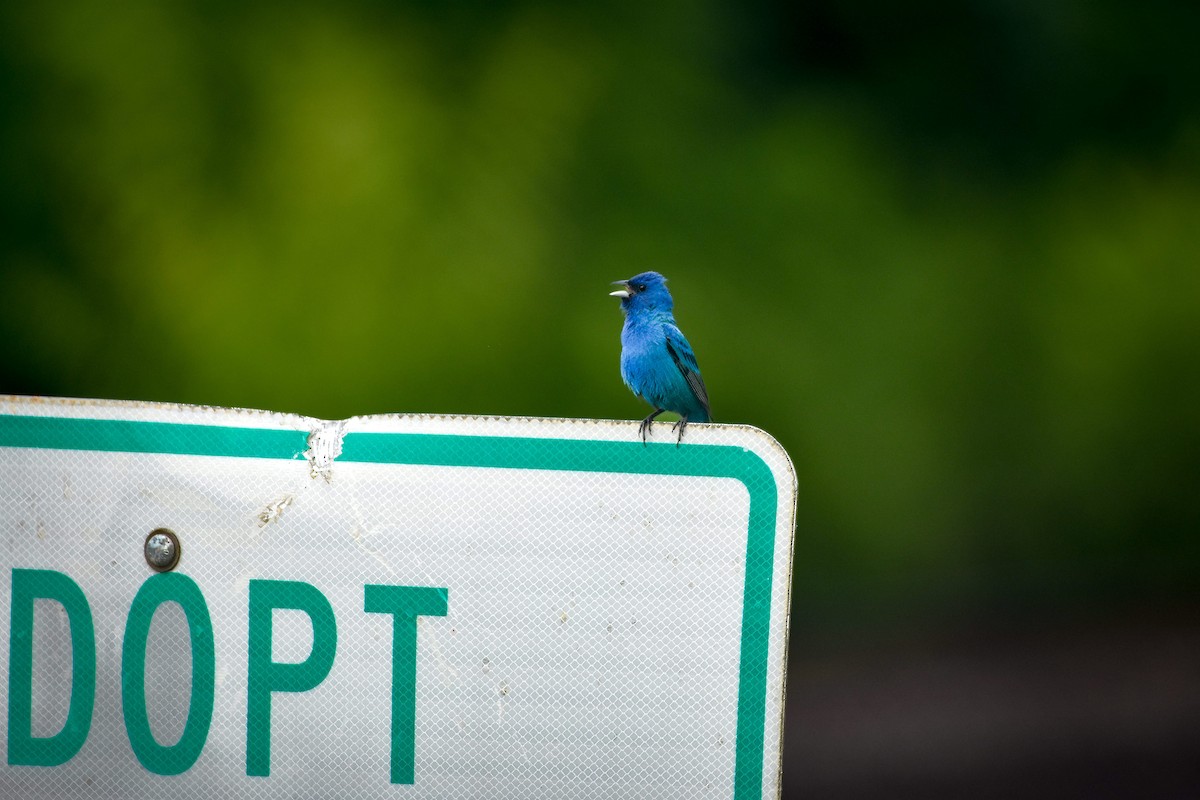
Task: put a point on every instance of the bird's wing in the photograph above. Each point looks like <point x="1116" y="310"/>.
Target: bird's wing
<point x="685" y="360"/>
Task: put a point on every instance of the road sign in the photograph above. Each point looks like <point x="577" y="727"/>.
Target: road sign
<point x="208" y="602"/>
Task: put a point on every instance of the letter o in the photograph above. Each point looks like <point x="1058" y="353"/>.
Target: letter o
<point x="179" y="757"/>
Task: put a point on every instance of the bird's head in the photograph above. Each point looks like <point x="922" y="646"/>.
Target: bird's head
<point x="645" y="291"/>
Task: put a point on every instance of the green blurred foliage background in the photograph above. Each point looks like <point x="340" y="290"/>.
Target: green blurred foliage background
<point x="945" y="252"/>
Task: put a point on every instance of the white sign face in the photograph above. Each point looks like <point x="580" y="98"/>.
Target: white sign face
<point x="400" y="606"/>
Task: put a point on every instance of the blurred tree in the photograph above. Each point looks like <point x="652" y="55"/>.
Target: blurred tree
<point x="944" y="252"/>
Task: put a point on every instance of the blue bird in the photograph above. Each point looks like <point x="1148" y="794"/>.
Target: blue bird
<point x="657" y="363"/>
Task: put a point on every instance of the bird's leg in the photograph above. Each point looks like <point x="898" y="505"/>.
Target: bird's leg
<point x="644" y="429"/>
<point x="681" y="424"/>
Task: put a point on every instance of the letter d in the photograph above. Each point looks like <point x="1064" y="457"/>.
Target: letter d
<point x="24" y="749"/>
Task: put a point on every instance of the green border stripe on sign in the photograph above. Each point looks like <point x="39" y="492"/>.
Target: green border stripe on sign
<point x="129" y="436"/>
<point x="491" y="452"/>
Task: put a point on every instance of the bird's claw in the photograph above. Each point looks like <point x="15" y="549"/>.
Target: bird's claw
<point x="681" y="424"/>
<point x="644" y="428"/>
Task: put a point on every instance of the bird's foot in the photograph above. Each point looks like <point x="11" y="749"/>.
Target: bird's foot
<point x="644" y="428"/>
<point x="680" y="425"/>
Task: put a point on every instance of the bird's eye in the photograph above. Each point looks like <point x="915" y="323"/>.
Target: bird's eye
<point x="641" y="287"/>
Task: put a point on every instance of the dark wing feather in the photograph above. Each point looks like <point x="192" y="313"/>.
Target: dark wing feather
<point x="685" y="360"/>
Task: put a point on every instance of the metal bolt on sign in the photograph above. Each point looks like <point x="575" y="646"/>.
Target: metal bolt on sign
<point x="162" y="550"/>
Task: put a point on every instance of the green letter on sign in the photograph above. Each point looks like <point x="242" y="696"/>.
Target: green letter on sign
<point x="159" y="589"/>
<point x="265" y="676"/>
<point x="23" y="748"/>
<point x="405" y="604"/>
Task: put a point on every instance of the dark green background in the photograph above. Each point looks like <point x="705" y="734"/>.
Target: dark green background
<point x="947" y="253"/>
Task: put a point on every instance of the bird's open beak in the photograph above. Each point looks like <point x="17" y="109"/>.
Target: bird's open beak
<point x="621" y="293"/>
